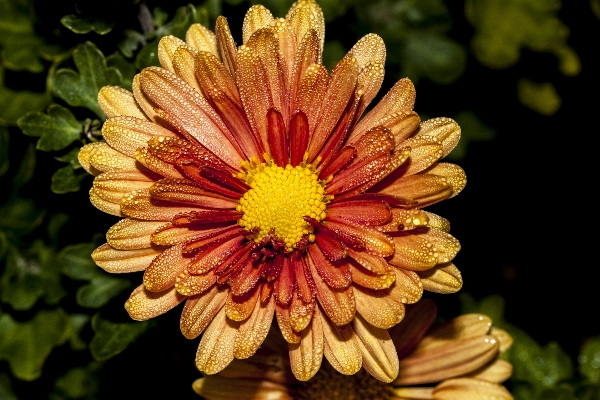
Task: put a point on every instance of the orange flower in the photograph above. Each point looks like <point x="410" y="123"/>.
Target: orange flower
<point x="457" y="360"/>
<point x="250" y="186"/>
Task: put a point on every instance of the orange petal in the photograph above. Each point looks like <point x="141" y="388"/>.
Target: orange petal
<point x="338" y="304"/>
<point x="378" y="308"/>
<point x="340" y="89"/>
<point x="184" y="63"/>
<point x="104" y="205"/>
<point x="453" y="359"/>
<point x="139" y="204"/>
<point x="408" y="287"/>
<point x="84" y="157"/>
<point x="239" y="308"/>
<point x="373" y="241"/>
<point x="112" y="186"/>
<point x="132" y="234"/>
<point x="300" y="313"/>
<point x="369" y="80"/>
<point x="226" y="44"/>
<point x="401" y="97"/>
<point x="164" y="269"/>
<point x="212" y="74"/>
<point x="437" y="222"/>
<point x="104" y="158"/>
<point x="216" y="349"/>
<point x="189" y="192"/>
<point x="361" y="212"/>
<point x="191" y="285"/>
<point x="453" y="173"/>
<point x="120" y="261"/>
<point x="201" y="38"/>
<point x="466" y="326"/>
<point x="257" y="17"/>
<point x="443" y="129"/>
<point x="199" y="310"/>
<point x="336" y="276"/>
<point x="497" y="371"/>
<point x="143" y="101"/>
<point x="370" y="280"/>
<point x="414" y="252"/>
<point x="341" y="348"/>
<point x="424" y="151"/>
<point x="115" y="101"/>
<point x="445" y="278"/>
<point x="283" y="320"/>
<point x="378" y="352"/>
<point x="425" y="189"/>
<point x="143" y="304"/>
<point x="304" y="16"/>
<point x="370" y="48"/>
<point x="470" y="389"/>
<point x="127" y="134"/>
<point x="218" y="387"/>
<point x="405" y="220"/>
<point x="503" y="337"/>
<point x="166" y="48"/>
<point x="307" y="55"/>
<point x="253" y="331"/>
<point x="143" y="156"/>
<point x="307" y="355"/>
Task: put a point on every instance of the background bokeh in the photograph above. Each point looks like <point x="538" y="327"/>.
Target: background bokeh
<point x="520" y="77"/>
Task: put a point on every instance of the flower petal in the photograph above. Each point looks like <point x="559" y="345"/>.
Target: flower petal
<point x="372" y="240"/>
<point x="226" y="44"/>
<point x="283" y="320"/>
<point x="417" y="321"/>
<point x="470" y="389"/>
<point x="306" y="356"/>
<point x="104" y="158"/>
<point x="116" y="101"/>
<point x="443" y="129"/>
<point x="127" y="134"/>
<point x="216" y="349"/>
<point x="201" y="38"/>
<point x="425" y="189"/>
<point x="139" y="204"/>
<point x="164" y="269"/>
<point x="306" y="15"/>
<point x="112" y="186"/>
<point x="148" y="160"/>
<point x="338" y="304"/>
<point x="336" y="276"/>
<point x="191" y="285"/>
<point x="121" y="261"/>
<point x="301" y="313"/>
<point x="218" y="387"/>
<point x="361" y="212"/>
<point x="414" y="252"/>
<point x="132" y="234"/>
<point x="307" y="55"/>
<point x="401" y="97"/>
<point x="184" y="64"/>
<point x="104" y="205"/>
<point x="378" y="352"/>
<point x="253" y="331"/>
<point x="450" y="360"/>
<point x="239" y="308"/>
<point x="445" y="279"/>
<point x="188" y="192"/>
<point x="143" y="304"/>
<point x="466" y="326"/>
<point x="199" y="310"/>
<point x="311" y="85"/>
<point x="497" y="371"/>
<point x="341" y="348"/>
<point x="405" y="220"/>
<point x="167" y="46"/>
<point x="503" y="337"/>
<point x="378" y="308"/>
<point x="453" y="173"/>
<point x="257" y="17"/>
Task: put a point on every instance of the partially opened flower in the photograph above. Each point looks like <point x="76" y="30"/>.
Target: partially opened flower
<point x="251" y="186"/>
<point x="456" y="360"/>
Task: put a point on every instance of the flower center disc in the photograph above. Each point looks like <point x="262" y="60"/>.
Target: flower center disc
<point x="278" y="200"/>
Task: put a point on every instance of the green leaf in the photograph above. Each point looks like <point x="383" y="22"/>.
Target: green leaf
<point x="86" y="25"/>
<point x="100" y="290"/>
<point x="77" y="322"/>
<point x="540" y="97"/>
<point x="133" y="40"/>
<point x="30" y="276"/>
<point x="76" y="261"/>
<point x="20" y="215"/>
<point x="112" y="338"/>
<point x="71" y="157"/>
<point x="125" y="67"/>
<point x="79" y="382"/>
<point x="26" y="345"/>
<point x="431" y="55"/>
<point x="4" y="159"/>
<point x="14" y="104"/>
<point x="56" y="130"/>
<point x="503" y="29"/>
<point x="6" y="392"/>
<point x="472" y="130"/>
<point x="80" y="89"/>
<point x="65" y="180"/>
<point x="589" y="360"/>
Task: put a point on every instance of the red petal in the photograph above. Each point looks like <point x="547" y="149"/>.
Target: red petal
<point x="362" y="212"/>
<point x="335" y="276"/>
<point x="284" y="286"/>
<point x="214" y="255"/>
<point x="333" y="249"/>
<point x="337" y="162"/>
<point x="304" y="280"/>
<point x="277" y="137"/>
<point x="298" y="138"/>
<point x="246" y="279"/>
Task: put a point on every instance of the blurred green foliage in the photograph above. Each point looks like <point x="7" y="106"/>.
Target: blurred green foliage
<point x="53" y="298"/>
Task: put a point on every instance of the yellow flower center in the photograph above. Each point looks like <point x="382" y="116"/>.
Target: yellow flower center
<point x="278" y="200"/>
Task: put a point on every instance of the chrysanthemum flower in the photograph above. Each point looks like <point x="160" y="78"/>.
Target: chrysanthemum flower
<point x="251" y="186"/>
<point x="456" y="360"/>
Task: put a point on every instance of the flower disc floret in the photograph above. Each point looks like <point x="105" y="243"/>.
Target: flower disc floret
<point x="278" y="200"/>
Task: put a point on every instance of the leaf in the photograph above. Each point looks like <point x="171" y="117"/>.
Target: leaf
<point x="6" y="392"/>
<point x="112" y="338"/>
<point x="56" y="130"/>
<point x="20" y="215"/>
<point x="589" y="360"/>
<point x="77" y="322"/>
<point x="503" y="29"/>
<point x="65" y="180"/>
<point x="77" y="383"/>
<point x="184" y="17"/>
<point x="18" y="41"/>
<point x="101" y="289"/>
<point x="71" y="157"/>
<point x="86" y="25"/>
<point x="4" y="159"/>
<point x="125" y="67"/>
<point x="76" y="261"/>
<point x="14" y="104"/>
<point x="133" y="40"/>
<point x="80" y="89"/>
<point x="431" y="55"/>
<point x="30" y="276"/>
<point x="26" y="345"/>
<point x="540" y="97"/>
<point x="472" y="130"/>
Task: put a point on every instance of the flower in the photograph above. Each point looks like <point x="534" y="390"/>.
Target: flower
<point x="250" y="186"/>
<point x="460" y="357"/>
